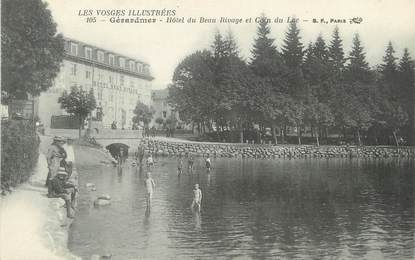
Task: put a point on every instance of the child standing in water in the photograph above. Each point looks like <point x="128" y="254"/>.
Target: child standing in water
<point x="150" y="186"/>
<point x="150" y="161"/>
<point x="208" y="163"/>
<point x="180" y="166"/>
<point x="190" y="164"/>
<point x="197" y="198"/>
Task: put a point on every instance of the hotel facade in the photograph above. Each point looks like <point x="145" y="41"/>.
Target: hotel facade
<point x="118" y="81"/>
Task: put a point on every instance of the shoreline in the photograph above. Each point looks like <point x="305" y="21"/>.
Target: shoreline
<point x="34" y="226"/>
<point x="171" y="147"/>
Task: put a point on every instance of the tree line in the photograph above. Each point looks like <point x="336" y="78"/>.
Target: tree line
<point x="316" y="89"/>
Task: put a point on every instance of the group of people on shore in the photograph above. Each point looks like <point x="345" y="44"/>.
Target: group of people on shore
<point x="59" y="172"/>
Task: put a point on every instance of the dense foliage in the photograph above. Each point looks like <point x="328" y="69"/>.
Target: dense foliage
<point x="142" y="113"/>
<point x="32" y="51"/>
<point x="79" y="103"/>
<point x="307" y="91"/>
<point x="19" y="152"/>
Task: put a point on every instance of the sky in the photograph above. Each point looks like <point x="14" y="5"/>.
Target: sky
<point x="163" y="45"/>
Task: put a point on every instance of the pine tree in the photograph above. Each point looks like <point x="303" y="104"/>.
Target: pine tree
<point x="358" y="87"/>
<point x="407" y="78"/>
<point x="292" y="50"/>
<point x="218" y="47"/>
<point x="292" y="53"/>
<point x="264" y="51"/>
<point x="389" y="114"/>
<point x="267" y="65"/>
<point x="389" y="67"/>
<point x="407" y="92"/>
<point x="230" y="45"/>
<point x="266" y="61"/>
<point x="336" y="53"/>
<point x="308" y="57"/>
<point x="320" y="49"/>
<point x="358" y="69"/>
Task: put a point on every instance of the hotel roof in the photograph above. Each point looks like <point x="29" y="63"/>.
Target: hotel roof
<point x="138" y="68"/>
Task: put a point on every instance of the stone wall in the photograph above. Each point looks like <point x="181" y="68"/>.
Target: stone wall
<point x="167" y="148"/>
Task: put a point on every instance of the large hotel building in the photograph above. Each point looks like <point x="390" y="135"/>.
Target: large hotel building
<point x="118" y="82"/>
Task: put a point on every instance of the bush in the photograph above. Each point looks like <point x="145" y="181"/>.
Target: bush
<point x="19" y="152"/>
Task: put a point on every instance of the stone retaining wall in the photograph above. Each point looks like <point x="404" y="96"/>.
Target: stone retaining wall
<point x="167" y="148"/>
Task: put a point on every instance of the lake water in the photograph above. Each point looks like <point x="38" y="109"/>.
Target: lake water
<point x="251" y="209"/>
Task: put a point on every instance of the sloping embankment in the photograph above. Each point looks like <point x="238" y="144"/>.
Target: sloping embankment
<point x="33" y="226"/>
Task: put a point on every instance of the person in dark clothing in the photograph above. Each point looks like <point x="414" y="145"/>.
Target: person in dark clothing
<point x="190" y="164"/>
<point x="140" y="154"/>
<point x="122" y="156"/>
<point x="153" y="131"/>
<point x="54" y="157"/>
<point x="61" y="188"/>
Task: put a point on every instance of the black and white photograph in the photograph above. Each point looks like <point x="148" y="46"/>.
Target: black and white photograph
<point x="184" y="129"/>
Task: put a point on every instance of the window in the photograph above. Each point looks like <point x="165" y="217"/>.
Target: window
<point x="73" y="69"/>
<point x="164" y="114"/>
<point x="100" y="94"/>
<point x="111" y="59"/>
<point x="87" y="74"/>
<point x="140" y="67"/>
<point x="122" y="62"/>
<point x="131" y="65"/>
<point x="88" y="53"/>
<point x="121" y="79"/>
<point x="74" y="48"/>
<point x="110" y="79"/>
<point x="100" y="55"/>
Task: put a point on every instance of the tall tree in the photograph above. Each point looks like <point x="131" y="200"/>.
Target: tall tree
<point x="336" y="53"/>
<point x="266" y="61"/>
<point x="359" y="86"/>
<point x="358" y="68"/>
<point x="389" y="113"/>
<point x="267" y="65"/>
<point x="320" y="49"/>
<point x="292" y="53"/>
<point x="317" y="69"/>
<point x="78" y="102"/>
<point x="389" y="68"/>
<point x="232" y="83"/>
<point x="292" y="49"/>
<point x="192" y="93"/>
<point x="32" y="51"/>
<point x="407" y="92"/>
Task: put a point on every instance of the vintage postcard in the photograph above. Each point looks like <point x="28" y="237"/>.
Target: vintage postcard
<point x="207" y="130"/>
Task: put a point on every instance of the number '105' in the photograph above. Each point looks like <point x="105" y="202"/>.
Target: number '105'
<point x="91" y="19"/>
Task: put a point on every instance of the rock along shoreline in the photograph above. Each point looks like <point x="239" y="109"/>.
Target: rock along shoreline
<point x="231" y="150"/>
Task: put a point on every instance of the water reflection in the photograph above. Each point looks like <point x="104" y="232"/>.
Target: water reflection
<point x="197" y="219"/>
<point x="253" y="208"/>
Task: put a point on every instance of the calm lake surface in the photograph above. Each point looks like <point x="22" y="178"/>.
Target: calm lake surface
<point x="254" y="209"/>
